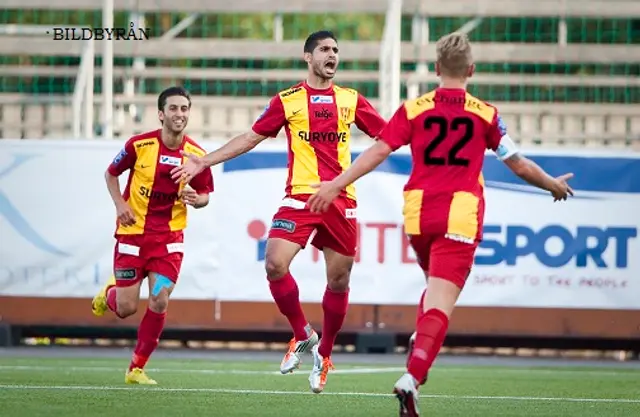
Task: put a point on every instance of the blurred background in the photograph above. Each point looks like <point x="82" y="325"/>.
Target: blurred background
<point x="564" y="73"/>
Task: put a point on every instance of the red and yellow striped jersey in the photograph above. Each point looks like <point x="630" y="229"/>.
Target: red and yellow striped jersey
<point x="151" y="192"/>
<point x="317" y="124"/>
<point x="448" y="131"/>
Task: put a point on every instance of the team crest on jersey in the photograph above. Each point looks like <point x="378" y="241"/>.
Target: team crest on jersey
<point x="345" y="114"/>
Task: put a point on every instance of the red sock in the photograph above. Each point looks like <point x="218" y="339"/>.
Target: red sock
<point x="334" y="306"/>
<point x="419" y="314"/>
<point x="420" y="311"/>
<point x="287" y="298"/>
<point x="148" y="338"/>
<point x="111" y="300"/>
<point x="431" y="332"/>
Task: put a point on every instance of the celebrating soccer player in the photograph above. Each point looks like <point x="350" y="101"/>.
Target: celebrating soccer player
<point x="448" y="131"/>
<point x="317" y="116"/>
<point x="152" y="214"/>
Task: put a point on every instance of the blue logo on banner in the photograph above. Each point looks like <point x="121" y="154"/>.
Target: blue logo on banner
<point x="15" y="218"/>
<point x="509" y="244"/>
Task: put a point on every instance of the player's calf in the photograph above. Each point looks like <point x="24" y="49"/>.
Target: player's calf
<point x="412" y="342"/>
<point x="125" y="306"/>
<point x="432" y="321"/>
<point x="121" y="300"/>
<point x="152" y="324"/>
<point x="126" y="300"/>
<point x="100" y="303"/>
<point x="335" y="301"/>
<point x="285" y="292"/>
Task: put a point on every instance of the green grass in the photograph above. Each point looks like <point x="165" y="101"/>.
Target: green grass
<point x="79" y="387"/>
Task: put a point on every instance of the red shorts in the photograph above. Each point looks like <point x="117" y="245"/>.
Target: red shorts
<point x="335" y="229"/>
<point x="444" y="258"/>
<point x="136" y="255"/>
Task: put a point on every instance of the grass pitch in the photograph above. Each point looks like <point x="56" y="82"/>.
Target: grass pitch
<point x="51" y="387"/>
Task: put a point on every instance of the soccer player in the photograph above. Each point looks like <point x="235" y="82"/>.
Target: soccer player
<point x="317" y="116"/>
<point x="448" y="131"/>
<point x="152" y="213"/>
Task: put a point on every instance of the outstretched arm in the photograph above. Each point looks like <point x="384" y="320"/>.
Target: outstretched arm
<point x="268" y="125"/>
<point x="396" y="134"/>
<point x="501" y="143"/>
<point x="531" y="172"/>
<point x="365" y="163"/>
<point x="235" y="147"/>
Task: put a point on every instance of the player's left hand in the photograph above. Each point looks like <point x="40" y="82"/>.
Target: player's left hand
<point x="562" y="189"/>
<point x="322" y="199"/>
<point x="189" y="196"/>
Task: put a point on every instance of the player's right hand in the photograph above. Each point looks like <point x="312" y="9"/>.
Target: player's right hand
<point x="125" y="215"/>
<point x="185" y="172"/>
<point x="562" y="190"/>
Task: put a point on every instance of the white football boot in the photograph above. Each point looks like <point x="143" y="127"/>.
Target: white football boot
<point x="321" y="367"/>
<point x="292" y="359"/>
<point x="406" y="392"/>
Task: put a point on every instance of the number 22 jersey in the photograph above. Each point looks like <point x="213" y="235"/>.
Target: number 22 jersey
<point x="448" y="131"/>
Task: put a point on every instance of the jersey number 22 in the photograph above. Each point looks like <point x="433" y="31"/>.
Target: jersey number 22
<point x="443" y="130"/>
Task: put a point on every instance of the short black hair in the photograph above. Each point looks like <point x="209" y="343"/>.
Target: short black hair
<point x="315" y="38"/>
<point x="170" y="92"/>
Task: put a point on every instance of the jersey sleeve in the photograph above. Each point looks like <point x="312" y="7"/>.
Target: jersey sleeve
<point x="124" y="160"/>
<point x="398" y="131"/>
<point x="203" y="182"/>
<point x="499" y="141"/>
<point x="367" y="118"/>
<point x="271" y="120"/>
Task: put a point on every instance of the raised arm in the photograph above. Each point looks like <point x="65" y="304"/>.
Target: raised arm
<point x="507" y="151"/>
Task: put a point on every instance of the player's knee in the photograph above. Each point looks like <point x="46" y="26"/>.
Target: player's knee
<point x="339" y="279"/>
<point x="275" y="267"/>
<point x="126" y="307"/>
<point x="338" y="271"/>
<point x="159" y="303"/>
<point x="159" y="297"/>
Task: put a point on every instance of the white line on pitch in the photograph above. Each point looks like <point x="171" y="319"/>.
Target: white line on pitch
<point x="188" y="371"/>
<point x="561" y="371"/>
<point x="345" y="394"/>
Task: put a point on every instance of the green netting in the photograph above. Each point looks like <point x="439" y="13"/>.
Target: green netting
<point x="347" y="27"/>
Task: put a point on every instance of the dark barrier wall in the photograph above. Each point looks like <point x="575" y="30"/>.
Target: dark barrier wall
<point x="212" y="315"/>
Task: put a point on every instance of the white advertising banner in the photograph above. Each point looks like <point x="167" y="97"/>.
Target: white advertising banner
<point x="57" y="222"/>
<point x="56" y="226"/>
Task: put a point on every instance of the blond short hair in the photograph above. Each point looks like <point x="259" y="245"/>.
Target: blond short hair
<point x="454" y="54"/>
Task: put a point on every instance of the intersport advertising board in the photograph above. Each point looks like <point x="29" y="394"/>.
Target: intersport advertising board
<point x="56" y="227"/>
